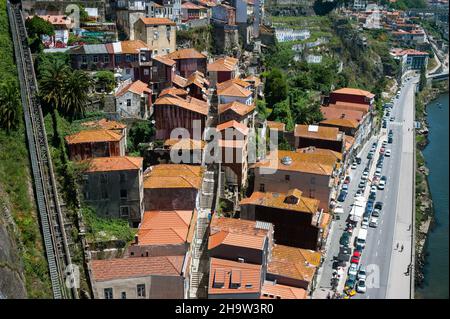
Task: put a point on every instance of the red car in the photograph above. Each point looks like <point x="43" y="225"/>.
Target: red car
<point x="382" y="150"/>
<point x="355" y="259"/>
<point x="347" y="180"/>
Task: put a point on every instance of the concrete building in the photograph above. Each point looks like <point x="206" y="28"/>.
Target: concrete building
<point x="172" y="187"/>
<point x="63" y="25"/>
<point x="296" y="219"/>
<point x="95" y="143"/>
<point x="351" y="95"/>
<point x="230" y="91"/>
<point x="133" y="100"/>
<point x="237" y="111"/>
<point x="410" y="59"/>
<point x="314" y="172"/>
<point x="191" y="11"/>
<point x="158" y="33"/>
<point x="128" y="12"/>
<point x="113" y="187"/>
<point x="162" y="277"/>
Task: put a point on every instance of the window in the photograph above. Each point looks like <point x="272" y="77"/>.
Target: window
<point x="124" y="211"/>
<point x="123" y="177"/>
<point x="124" y="295"/>
<point x="103" y="179"/>
<point x="146" y="71"/>
<point x="128" y="71"/>
<point x="108" y="293"/>
<point x="95" y="58"/>
<point x="128" y="102"/>
<point x="140" y="290"/>
<point x="287" y="177"/>
<point x="128" y="58"/>
<point x="106" y="58"/>
<point x="261" y="188"/>
<point x="84" y="59"/>
<point x="123" y="193"/>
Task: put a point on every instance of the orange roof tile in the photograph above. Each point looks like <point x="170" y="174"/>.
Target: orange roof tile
<point x="189" y="53"/>
<point x="173" y="91"/>
<point x="123" y="268"/>
<point x="190" y="5"/>
<point x="184" y="144"/>
<point x="133" y="46"/>
<point x="198" y="79"/>
<point x="351" y="106"/>
<point x="232" y="143"/>
<point x="237" y="107"/>
<point x="236" y="239"/>
<point x="253" y="79"/>
<point x="137" y="87"/>
<point x="173" y="176"/>
<point x="222" y="273"/>
<point x="236" y="226"/>
<point x="164" y="227"/>
<point x="276" y="291"/>
<point x="223" y="64"/>
<point x="93" y="136"/>
<point x="292" y="201"/>
<point x="349" y="140"/>
<point x="317" y="132"/>
<point x="157" y="21"/>
<point x="241" y="128"/>
<point x="352" y="91"/>
<point x="190" y="103"/>
<point x="179" y="80"/>
<point x="341" y="123"/>
<point x="319" y="164"/>
<point x="331" y="112"/>
<point x="276" y="125"/>
<point x="114" y="163"/>
<point x="321" y="154"/>
<point x="292" y="262"/>
<point x="234" y="90"/>
<point x="237" y="81"/>
<point x="164" y="59"/>
<point x="105" y="124"/>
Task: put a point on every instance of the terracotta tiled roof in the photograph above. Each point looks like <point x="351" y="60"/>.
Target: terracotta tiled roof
<point x="157" y="21"/>
<point x="164" y="227"/>
<point x="341" y="122"/>
<point x="253" y="79"/>
<point x="222" y="273"/>
<point x="123" y="268"/>
<point x="137" y="87"/>
<point x="184" y="144"/>
<point x="276" y="291"/>
<point x="173" y="176"/>
<point x="237" y="107"/>
<point x="276" y="125"/>
<point x="179" y="80"/>
<point x="317" y="132"/>
<point x="164" y="59"/>
<point x="198" y="79"/>
<point x="280" y="201"/>
<point x="57" y="19"/>
<point x="114" y="163"/>
<point x="241" y="128"/>
<point x="236" y="239"/>
<point x="349" y="140"/>
<point x="226" y="64"/>
<point x="133" y="46"/>
<point x="319" y="164"/>
<point x="93" y="136"/>
<point x="353" y="91"/>
<point x="105" y="124"/>
<point x="331" y="112"/>
<point x="234" y="90"/>
<point x="223" y="85"/>
<point x="351" y="106"/>
<point x="236" y="226"/>
<point x="189" y="53"/>
<point x="173" y="91"/>
<point x="401" y="52"/>
<point x="291" y="262"/>
<point x="321" y="154"/>
<point x="191" y="104"/>
<point x="190" y="5"/>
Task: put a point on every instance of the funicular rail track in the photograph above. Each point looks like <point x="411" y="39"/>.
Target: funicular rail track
<point x="47" y="200"/>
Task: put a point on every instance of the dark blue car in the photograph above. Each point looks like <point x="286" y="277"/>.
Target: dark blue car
<point x="342" y="196"/>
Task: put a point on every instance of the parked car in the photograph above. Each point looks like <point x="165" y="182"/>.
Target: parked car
<point x="373" y="189"/>
<point x="342" y="196"/>
<point x="376" y="212"/>
<point x="361" y="286"/>
<point x="345" y="187"/>
<point x="373" y="222"/>
<point x="372" y="195"/>
<point x="362" y="184"/>
<point x="353" y="269"/>
<point x="350" y="282"/>
<point x="347" y="179"/>
<point x="379" y="205"/>
<point x="362" y="272"/>
<point x="358" y="193"/>
<point x="387" y="153"/>
<point x="384" y="143"/>
<point x="358" y="160"/>
<point x="365" y="175"/>
<point x="382" y="149"/>
<point x="390" y="140"/>
<point x="365" y="222"/>
<point x="370" y="155"/>
<point x="354" y="165"/>
<point x="381" y="184"/>
<point x="345" y="239"/>
<point x="384" y="125"/>
<point x="380" y="164"/>
<point x="392" y="119"/>
<point x="355" y="259"/>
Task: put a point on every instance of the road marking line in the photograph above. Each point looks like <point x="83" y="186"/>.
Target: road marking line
<point x="378" y="242"/>
<point x="376" y="253"/>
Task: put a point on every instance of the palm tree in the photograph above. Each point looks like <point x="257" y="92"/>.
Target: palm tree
<point x="9" y="105"/>
<point x="76" y="93"/>
<point x="53" y="76"/>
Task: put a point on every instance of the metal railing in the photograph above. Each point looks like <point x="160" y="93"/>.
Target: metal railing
<point x="47" y="199"/>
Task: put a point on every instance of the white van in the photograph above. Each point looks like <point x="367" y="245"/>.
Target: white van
<point x="361" y="238"/>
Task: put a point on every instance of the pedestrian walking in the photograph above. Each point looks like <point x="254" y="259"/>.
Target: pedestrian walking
<point x="401" y="248"/>
<point x="397" y="246"/>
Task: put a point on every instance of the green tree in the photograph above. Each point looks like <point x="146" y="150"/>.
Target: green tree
<point x="53" y="73"/>
<point x="423" y="79"/>
<point x="9" y="105"/>
<point x="275" y="88"/>
<point x="282" y="113"/>
<point x="76" y="93"/>
<point x="140" y="132"/>
<point x="261" y="108"/>
<point x="36" y="26"/>
<point x="105" y="80"/>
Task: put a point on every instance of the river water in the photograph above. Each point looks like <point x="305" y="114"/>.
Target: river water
<point x="436" y="284"/>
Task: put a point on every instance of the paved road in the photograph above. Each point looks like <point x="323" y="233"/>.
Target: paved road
<point x="385" y="263"/>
